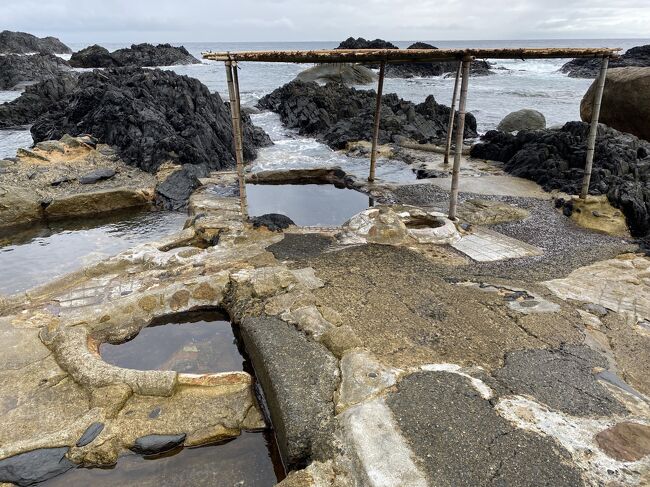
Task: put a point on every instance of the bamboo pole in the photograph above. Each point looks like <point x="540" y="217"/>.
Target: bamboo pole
<point x="233" y="92"/>
<point x="375" y="132"/>
<point x="460" y="132"/>
<point x="450" y="130"/>
<point x="593" y="128"/>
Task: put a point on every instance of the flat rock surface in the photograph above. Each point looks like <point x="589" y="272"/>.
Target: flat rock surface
<point x="35" y="466"/>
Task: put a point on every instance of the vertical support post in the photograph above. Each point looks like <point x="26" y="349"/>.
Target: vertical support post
<point x="235" y="115"/>
<point x="593" y="128"/>
<point x="450" y="129"/>
<point x="375" y="133"/>
<point x="460" y="132"/>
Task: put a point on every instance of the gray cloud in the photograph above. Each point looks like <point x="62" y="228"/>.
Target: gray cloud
<point x="258" y="20"/>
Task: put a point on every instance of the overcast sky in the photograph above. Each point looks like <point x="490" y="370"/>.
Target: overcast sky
<point x="294" y="20"/>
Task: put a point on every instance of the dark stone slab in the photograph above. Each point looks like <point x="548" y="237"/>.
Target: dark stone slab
<point x="298" y="378"/>
<point x="273" y="221"/>
<point x="460" y="440"/>
<point x="90" y="434"/>
<point x="154" y="444"/>
<point x="97" y="175"/>
<point x="300" y="246"/>
<point x="561" y="378"/>
<point x="35" y="466"/>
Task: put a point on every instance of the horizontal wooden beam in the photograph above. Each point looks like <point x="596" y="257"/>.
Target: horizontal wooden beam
<point x="409" y="55"/>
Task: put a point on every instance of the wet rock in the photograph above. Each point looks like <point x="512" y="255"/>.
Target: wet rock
<point x="347" y="74"/>
<point x="272" y="221"/>
<point x="299" y="378"/>
<point x="620" y="107"/>
<point x="590" y="67"/>
<point x="524" y="119"/>
<point x="555" y="159"/>
<point x="97" y="175"/>
<point x="174" y="192"/>
<point x="24" y="43"/>
<point x="151" y="117"/>
<point x="562" y="378"/>
<point x="35" y="466"/>
<point x="338" y="114"/>
<point x="141" y="55"/>
<point x="300" y="246"/>
<point x="90" y="434"/>
<point x="16" y="69"/>
<point x="154" y="444"/>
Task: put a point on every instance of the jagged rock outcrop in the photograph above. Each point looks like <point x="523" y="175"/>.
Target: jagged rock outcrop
<point x="24" y="43"/>
<point x="16" y="69"/>
<point x="36" y="100"/>
<point x="151" y="117"/>
<point x="638" y="56"/>
<point x="348" y="74"/>
<point x="555" y="159"/>
<point x="626" y="101"/>
<point x="361" y="43"/>
<point x="338" y="114"/>
<point x="410" y="70"/>
<point x="142" y="55"/>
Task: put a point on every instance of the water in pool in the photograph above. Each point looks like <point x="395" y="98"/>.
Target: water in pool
<point x="306" y="204"/>
<point x="40" y="253"/>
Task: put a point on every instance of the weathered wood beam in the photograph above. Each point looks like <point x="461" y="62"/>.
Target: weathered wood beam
<point x="375" y="131"/>
<point x="450" y="129"/>
<point x="460" y="132"/>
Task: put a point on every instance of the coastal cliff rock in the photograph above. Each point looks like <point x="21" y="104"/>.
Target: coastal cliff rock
<point x="151" y="117"/>
<point x="626" y="101"/>
<point x="555" y="159"/>
<point x="338" y="114"/>
<point x="638" y="56"/>
<point x="16" y="69"/>
<point x="347" y="74"/>
<point x="142" y="55"/>
<point x="422" y="70"/>
<point x="36" y="100"/>
<point x="24" y="43"/>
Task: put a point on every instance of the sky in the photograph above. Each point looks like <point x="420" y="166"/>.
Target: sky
<point x="91" y="21"/>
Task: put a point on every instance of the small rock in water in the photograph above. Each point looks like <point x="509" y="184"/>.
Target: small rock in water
<point x="153" y="444"/>
<point x="90" y="434"/>
<point x="273" y="221"/>
<point x="35" y="466"/>
<point x="97" y="175"/>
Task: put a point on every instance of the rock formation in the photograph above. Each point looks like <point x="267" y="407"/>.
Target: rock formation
<point x="556" y="158"/>
<point x="361" y="43"/>
<point x="348" y="74"/>
<point x="17" y="69"/>
<point x="151" y="117"/>
<point x="338" y="114"/>
<point x="142" y="55"/>
<point x="589" y="67"/>
<point x="626" y="101"/>
<point x="524" y="119"/>
<point x="23" y="43"/>
<point x="410" y="70"/>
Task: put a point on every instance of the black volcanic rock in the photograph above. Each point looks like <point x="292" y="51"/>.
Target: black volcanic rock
<point x="16" y="69"/>
<point x="338" y="114"/>
<point x="35" y="466"/>
<point x="142" y="55"/>
<point x="556" y="158"/>
<point x="410" y="70"/>
<point x="24" y="43"/>
<point x="272" y="221"/>
<point x="361" y="43"/>
<point x="151" y="116"/>
<point x="590" y="67"/>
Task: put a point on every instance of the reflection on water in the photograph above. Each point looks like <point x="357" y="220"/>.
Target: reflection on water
<point x="306" y="204"/>
<point x="197" y="342"/>
<point x="40" y="253"/>
<point x="243" y="462"/>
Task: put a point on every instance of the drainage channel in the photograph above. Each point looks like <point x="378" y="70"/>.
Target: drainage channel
<point x="202" y="341"/>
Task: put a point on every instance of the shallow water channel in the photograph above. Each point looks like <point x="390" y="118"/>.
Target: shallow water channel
<point x="306" y="204"/>
<point x="40" y="253"/>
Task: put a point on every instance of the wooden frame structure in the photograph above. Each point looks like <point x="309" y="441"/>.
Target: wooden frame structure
<point x="383" y="56"/>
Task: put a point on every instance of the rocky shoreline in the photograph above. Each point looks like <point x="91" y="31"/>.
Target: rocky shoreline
<point x="638" y="56"/>
<point x="141" y="55"/>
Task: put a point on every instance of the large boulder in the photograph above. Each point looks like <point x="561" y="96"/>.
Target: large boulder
<point x="626" y="101"/>
<point x="17" y="70"/>
<point x="347" y="74"/>
<point x="24" y="43"/>
<point x="361" y="43"/>
<point x="142" y="55"/>
<point x="151" y="117"/>
<point x="338" y="114"/>
<point x="423" y="70"/>
<point x="555" y="158"/>
<point x="36" y="100"/>
<point x="638" y="56"/>
<point x="524" y="119"/>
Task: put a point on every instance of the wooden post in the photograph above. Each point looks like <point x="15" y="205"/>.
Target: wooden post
<point x="593" y="128"/>
<point x="375" y="133"/>
<point x="460" y="132"/>
<point x="450" y="130"/>
<point x="235" y="115"/>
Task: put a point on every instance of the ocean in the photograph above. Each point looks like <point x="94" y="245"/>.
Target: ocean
<point x="517" y="84"/>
